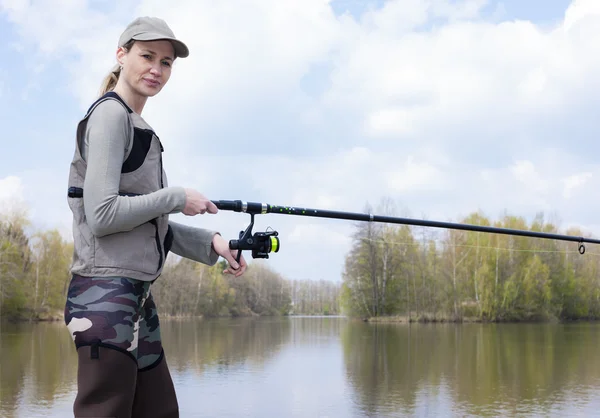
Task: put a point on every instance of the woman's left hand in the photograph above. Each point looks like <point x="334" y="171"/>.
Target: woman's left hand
<point x="221" y="247"/>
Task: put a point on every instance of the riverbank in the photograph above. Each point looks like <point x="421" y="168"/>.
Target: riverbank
<point x="54" y="315"/>
<point x="58" y="315"/>
<point x="419" y="319"/>
<point x="428" y="318"/>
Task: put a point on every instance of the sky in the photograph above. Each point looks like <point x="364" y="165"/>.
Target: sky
<point x="444" y="107"/>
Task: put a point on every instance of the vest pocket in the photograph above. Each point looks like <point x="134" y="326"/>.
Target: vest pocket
<point x="133" y="250"/>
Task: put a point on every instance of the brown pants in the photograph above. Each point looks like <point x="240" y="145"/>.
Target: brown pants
<point x="109" y="384"/>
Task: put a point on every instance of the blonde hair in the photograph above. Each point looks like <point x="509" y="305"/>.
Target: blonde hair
<point x="110" y="81"/>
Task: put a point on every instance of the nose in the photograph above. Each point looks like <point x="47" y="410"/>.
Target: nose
<point x="156" y="69"/>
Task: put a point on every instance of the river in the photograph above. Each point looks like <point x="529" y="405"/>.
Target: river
<point x="332" y="367"/>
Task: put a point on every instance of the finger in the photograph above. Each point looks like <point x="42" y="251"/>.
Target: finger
<point x="237" y="265"/>
<point x="243" y="263"/>
<point x="229" y="270"/>
<point x="211" y="207"/>
<point x="232" y="261"/>
<point x="242" y="269"/>
<point x="237" y="273"/>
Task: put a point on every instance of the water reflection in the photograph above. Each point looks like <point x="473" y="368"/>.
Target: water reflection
<point x="280" y="367"/>
<point x="222" y="343"/>
<point x="472" y="369"/>
<point x="38" y="365"/>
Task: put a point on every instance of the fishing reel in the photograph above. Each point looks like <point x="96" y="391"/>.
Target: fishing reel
<point x="261" y="243"/>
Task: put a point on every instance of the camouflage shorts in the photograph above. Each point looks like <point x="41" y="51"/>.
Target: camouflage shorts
<point x="114" y="312"/>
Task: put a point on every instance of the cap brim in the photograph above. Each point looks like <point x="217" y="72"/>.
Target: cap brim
<point x="181" y="49"/>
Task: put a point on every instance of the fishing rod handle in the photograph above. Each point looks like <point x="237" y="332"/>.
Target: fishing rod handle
<point x="234" y="205"/>
<point x="241" y="206"/>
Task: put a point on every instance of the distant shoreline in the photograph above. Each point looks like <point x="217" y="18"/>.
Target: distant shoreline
<point x="391" y="319"/>
<point x="58" y="316"/>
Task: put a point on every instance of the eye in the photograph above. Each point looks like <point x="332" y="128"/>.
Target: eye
<point x="147" y="56"/>
<point x="167" y="63"/>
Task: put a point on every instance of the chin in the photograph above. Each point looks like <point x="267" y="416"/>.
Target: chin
<point x="149" y="92"/>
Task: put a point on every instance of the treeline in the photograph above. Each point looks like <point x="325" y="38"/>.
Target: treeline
<point x="408" y="272"/>
<point x="187" y="288"/>
<point x="34" y="278"/>
<point x="391" y="270"/>
<point x="34" y="270"/>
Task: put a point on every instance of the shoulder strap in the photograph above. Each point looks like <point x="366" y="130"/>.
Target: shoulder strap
<point x="77" y="192"/>
<point x="109" y="95"/>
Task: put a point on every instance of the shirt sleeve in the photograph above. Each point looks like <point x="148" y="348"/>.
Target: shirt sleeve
<point x="106" y="139"/>
<point x="193" y="243"/>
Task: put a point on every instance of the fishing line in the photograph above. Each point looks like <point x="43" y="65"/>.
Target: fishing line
<point x="424" y="245"/>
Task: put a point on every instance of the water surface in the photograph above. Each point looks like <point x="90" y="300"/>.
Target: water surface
<point x="332" y="367"/>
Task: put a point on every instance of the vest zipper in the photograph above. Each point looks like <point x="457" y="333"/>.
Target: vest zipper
<point x="155" y="220"/>
<point x="158" y="244"/>
<point x="161" y="162"/>
<point x="156" y="235"/>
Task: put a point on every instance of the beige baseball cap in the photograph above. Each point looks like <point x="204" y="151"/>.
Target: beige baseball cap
<point x="152" y="29"/>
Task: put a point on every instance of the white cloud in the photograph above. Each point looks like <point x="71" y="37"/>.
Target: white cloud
<point x="526" y="173"/>
<point x="415" y="176"/>
<point x="573" y="182"/>
<point x="580" y="10"/>
<point x="11" y="189"/>
<point x="287" y="103"/>
<point x="393" y="122"/>
<point x="11" y="195"/>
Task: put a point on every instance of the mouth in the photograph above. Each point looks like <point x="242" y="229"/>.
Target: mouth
<point x="151" y="83"/>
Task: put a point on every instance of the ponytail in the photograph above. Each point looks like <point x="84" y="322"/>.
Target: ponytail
<point x="110" y="81"/>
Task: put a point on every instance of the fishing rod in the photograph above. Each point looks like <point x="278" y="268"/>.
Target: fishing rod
<point x="262" y="243"/>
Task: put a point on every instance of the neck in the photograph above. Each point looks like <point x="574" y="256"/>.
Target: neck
<point x="133" y="100"/>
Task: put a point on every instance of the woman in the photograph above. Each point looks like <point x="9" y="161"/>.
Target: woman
<point x="121" y="203"/>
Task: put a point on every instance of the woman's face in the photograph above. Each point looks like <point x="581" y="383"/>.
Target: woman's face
<point x="147" y="66"/>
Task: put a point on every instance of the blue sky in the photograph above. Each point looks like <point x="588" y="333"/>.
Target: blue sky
<point x="446" y="109"/>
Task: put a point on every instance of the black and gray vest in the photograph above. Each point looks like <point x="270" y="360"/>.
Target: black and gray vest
<point x="140" y="252"/>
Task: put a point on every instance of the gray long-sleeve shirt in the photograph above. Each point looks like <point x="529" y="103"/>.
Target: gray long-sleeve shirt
<point x="105" y="146"/>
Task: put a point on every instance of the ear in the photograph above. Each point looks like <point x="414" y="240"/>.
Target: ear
<point x="121" y="54"/>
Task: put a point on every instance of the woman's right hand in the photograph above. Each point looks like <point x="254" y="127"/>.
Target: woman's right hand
<point x="197" y="203"/>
